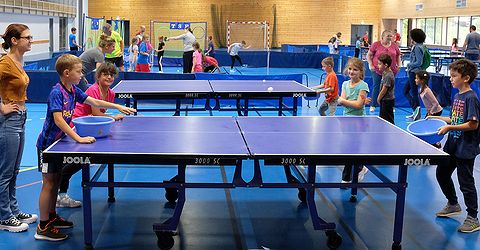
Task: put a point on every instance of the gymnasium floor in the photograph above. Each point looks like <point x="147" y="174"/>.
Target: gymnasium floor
<point x="245" y="218"/>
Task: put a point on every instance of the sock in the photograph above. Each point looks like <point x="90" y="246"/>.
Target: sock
<point x="62" y="194"/>
<point x="52" y="215"/>
<point x="43" y="224"/>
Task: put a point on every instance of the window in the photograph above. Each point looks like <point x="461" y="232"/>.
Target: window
<point x="430" y="30"/>
<point x="405" y="35"/>
<point x="438" y="30"/>
<point x="463" y="28"/>
<point x="421" y="23"/>
<point x="476" y="21"/>
<point x="452" y="29"/>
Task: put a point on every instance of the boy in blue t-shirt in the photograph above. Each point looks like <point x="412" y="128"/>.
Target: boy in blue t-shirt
<point x="72" y="40"/>
<point x="462" y="145"/>
<point x="60" y="107"/>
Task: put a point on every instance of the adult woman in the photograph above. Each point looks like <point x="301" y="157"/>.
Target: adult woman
<point x="416" y="60"/>
<point x="188" y="39"/>
<point x="94" y="57"/>
<point x="13" y="93"/>
<point x="385" y="46"/>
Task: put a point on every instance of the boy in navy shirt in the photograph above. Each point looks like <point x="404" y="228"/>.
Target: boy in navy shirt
<point x="60" y="107"/>
<point x="462" y="145"/>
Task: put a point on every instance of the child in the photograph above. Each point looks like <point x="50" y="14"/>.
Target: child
<point x="354" y="98"/>
<point x="160" y="51"/>
<point x="386" y="97"/>
<point x="410" y="90"/>
<point x="462" y="145"/>
<point x="61" y="103"/>
<point x="143" y="57"/>
<point x="426" y="94"/>
<point x="233" y="51"/>
<point x="72" y="40"/>
<point x="454" y="48"/>
<point x="133" y="51"/>
<point x="210" y="64"/>
<point x="329" y="87"/>
<point x="358" y="46"/>
<point x="197" y="58"/>
<point x="211" y="49"/>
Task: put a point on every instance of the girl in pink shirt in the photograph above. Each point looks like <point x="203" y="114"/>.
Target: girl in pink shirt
<point x="197" y="58"/>
<point x="100" y="90"/>
<point x="426" y="94"/>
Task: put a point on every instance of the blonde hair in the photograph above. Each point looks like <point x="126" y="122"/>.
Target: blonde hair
<point x="328" y="61"/>
<point x="355" y="63"/>
<point x="105" y="41"/>
<point x="145" y="37"/>
<point x="66" y="61"/>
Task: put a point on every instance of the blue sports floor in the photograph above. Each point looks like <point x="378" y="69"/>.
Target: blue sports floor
<point x="245" y="218"/>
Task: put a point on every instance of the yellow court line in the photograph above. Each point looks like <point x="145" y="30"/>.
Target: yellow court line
<point x="29" y="184"/>
<point x="28" y="169"/>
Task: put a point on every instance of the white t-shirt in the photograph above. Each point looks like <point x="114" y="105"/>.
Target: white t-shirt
<point x="234" y="48"/>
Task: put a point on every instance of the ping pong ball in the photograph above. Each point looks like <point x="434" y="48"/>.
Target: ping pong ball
<point x="270" y="89"/>
<point x="263" y="80"/>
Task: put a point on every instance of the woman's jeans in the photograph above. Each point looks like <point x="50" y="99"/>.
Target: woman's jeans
<point x="377" y="79"/>
<point x="12" y="139"/>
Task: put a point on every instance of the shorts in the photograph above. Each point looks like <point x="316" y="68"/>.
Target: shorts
<point x="142" y="68"/>
<point x="118" y="61"/>
<point x="47" y="168"/>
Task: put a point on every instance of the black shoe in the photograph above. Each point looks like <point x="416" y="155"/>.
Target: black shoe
<point x="60" y="222"/>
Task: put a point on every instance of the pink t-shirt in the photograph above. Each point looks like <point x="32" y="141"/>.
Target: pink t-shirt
<point x="393" y="51"/>
<point x="83" y="109"/>
<point x="198" y="56"/>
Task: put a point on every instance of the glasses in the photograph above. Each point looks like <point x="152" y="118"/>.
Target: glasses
<point x="30" y="38"/>
<point x="108" y="74"/>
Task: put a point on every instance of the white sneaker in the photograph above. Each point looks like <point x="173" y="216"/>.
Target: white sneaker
<point x="345" y="182"/>
<point x="13" y="225"/>
<point x="26" y="218"/>
<point x="63" y="200"/>
<point x="372" y="109"/>
<point x="362" y="173"/>
<point x="232" y="70"/>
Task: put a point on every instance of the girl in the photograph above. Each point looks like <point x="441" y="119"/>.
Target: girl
<point x="426" y="94"/>
<point x="197" y="58"/>
<point x="13" y="114"/>
<point x="454" y="47"/>
<point x="133" y="50"/>
<point x="143" y="57"/>
<point x="354" y="98"/>
<point x="160" y="51"/>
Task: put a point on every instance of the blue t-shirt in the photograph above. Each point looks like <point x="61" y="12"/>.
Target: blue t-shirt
<point x="142" y="59"/>
<point x="59" y="100"/>
<point x="464" y="144"/>
<point x="72" y="38"/>
<point x="211" y="48"/>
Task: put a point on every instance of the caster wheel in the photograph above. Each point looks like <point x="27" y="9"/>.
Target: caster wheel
<point x="111" y="199"/>
<point x="334" y="240"/>
<point x="171" y="194"/>
<point x="165" y="241"/>
<point x="396" y="246"/>
<point x="88" y="247"/>
<point x="353" y="198"/>
<point x="302" y="194"/>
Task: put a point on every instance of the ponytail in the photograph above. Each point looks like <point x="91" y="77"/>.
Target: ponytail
<point x="13" y="30"/>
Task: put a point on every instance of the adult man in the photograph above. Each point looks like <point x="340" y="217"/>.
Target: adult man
<point x="472" y="44"/>
<point x="116" y="57"/>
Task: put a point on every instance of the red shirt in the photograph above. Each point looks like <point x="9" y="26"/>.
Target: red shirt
<point x="211" y="61"/>
<point x="331" y="82"/>
<point x="397" y="37"/>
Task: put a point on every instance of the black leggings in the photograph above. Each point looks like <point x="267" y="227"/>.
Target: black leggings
<point x="233" y="60"/>
<point x="67" y="172"/>
<point x="187" y="61"/>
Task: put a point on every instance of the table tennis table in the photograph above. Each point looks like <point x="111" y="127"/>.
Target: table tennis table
<point x="440" y="59"/>
<point x="239" y="90"/>
<point x="289" y="142"/>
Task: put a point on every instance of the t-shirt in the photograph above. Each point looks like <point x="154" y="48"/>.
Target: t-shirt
<point x="358" y="44"/>
<point x="397" y="37"/>
<point x="131" y="51"/>
<point x="378" y="49"/>
<point x="90" y="58"/>
<point x="72" y="38"/>
<point x="188" y="39"/>
<point x="83" y="109"/>
<point x="59" y="100"/>
<point x="13" y="81"/>
<point x="473" y="41"/>
<point x="352" y="93"/>
<point x="388" y="80"/>
<point x="211" y="48"/>
<point x="210" y="61"/>
<point x="331" y="81"/>
<point x="464" y="144"/>
<point x="198" y="58"/>
<point x="235" y="47"/>
<point x="430" y="102"/>
<point x="160" y="46"/>
<point x="142" y="59"/>
<point x="118" y="50"/>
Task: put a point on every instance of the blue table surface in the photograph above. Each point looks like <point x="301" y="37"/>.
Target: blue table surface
<point x="263" y="135"/>
<point x="258" y="86"/>
<point x="156" y="86"/>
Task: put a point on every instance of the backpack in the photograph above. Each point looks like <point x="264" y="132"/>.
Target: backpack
<point x="332" y="40"/>
<point x="427" y="58"/>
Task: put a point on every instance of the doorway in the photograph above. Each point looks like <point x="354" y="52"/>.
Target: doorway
<point x="358" y="30"/>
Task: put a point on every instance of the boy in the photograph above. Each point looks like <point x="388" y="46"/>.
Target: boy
<point x="72" y="40"/>
<point x="60" y="107"/>
<point x="462" y="145"/>
<point x="329" y="87"/>
<point x="386" y="97"/>
<point x="233" y="52"/>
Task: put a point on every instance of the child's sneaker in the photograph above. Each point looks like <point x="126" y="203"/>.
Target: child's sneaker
<point x="13" y="225"/>
<point x="362" y="173"/>
<point x="26" y="218"/>
<point x="63" y="200"/>
<point x="232" y="70"/>
<point x="372" y="109"/>
<point x="417" y="114"/>
<point x="49" y="233"/>
<point x="449" y="210"/>
<point x="60" y="222"/>
<point x="470" y="225"/>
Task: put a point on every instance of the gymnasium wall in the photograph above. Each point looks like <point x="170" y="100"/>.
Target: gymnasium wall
<point x="297" y="22"/>
<point x="431" y="8"/>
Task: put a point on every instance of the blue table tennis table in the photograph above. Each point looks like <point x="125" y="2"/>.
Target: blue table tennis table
<point x="289" y="142"/>
<point x="239" y="90"/>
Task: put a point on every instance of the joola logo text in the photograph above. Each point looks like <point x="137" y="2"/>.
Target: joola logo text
<point x="417" y="162"/>
<point x="76" y="160"/>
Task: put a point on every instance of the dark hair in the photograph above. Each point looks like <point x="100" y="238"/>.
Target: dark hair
<point x="465" y="68"/>
<point x="473" y="27"/>
<point x="107" y="68"/>
<point x="423" y="76"/>
<point x="244" y="43"/>
<point x="455" y="41"/>
<point x="385" y="59"/>
<point x="418" y="35"/>
<point x="196" y="45"/>
<point x="105" y="41"/>
<point x="189" y="29"/>
<point x="13" y="30"/>
<point x="73" y="29"/>
<point x="210" y="37"/>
